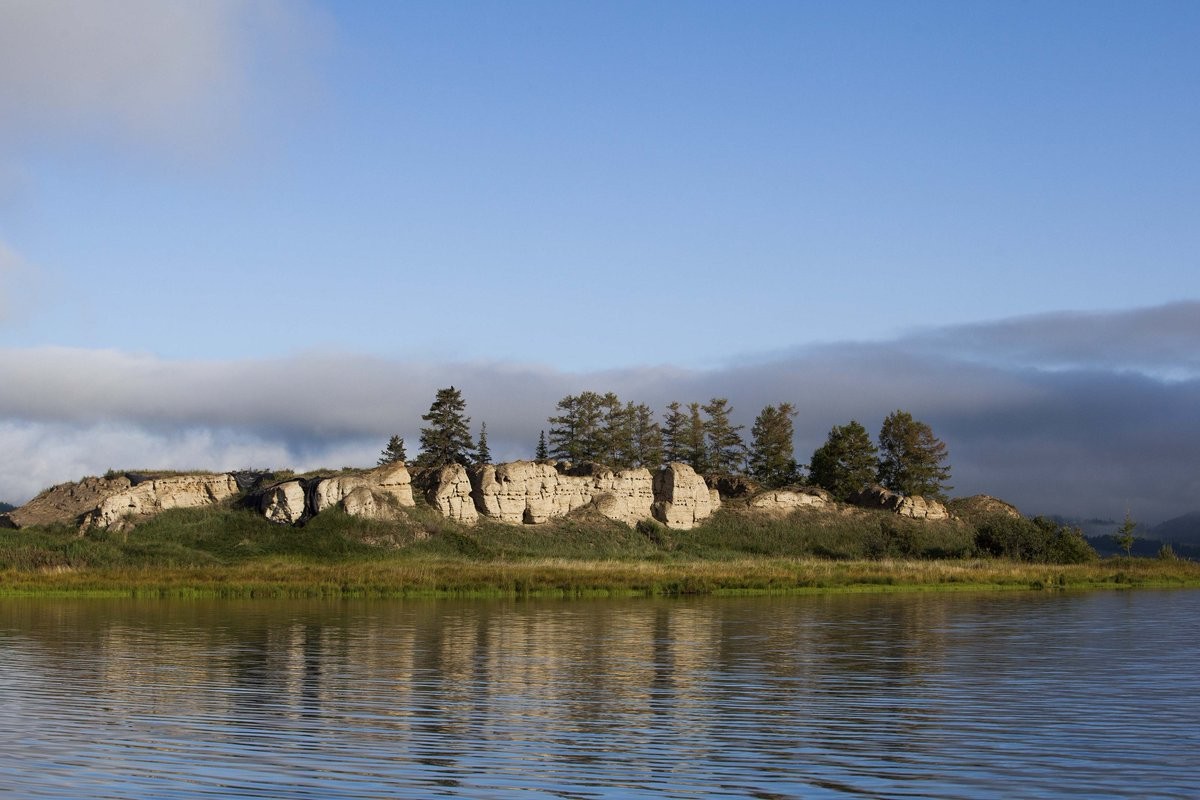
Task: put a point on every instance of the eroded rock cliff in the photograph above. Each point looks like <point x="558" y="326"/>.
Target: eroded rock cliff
<point x="155" y="495"/>
<point x="682" y="498"/>
<point x="913" y="506"/>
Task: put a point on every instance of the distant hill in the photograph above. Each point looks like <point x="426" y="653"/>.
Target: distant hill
<point x="1146" y="548"/>
<point x="1184" y="529"/>
<point x="1090" y="527"/>
<point x="6" y="507"/>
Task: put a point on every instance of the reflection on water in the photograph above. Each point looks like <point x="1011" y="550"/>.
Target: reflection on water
<point x="877" y="695"/>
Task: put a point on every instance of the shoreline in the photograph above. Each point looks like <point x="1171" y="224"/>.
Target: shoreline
<point x="571" y="578"/>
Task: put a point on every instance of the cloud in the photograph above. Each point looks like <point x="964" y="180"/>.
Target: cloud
<point x="1087" y="440"/>
<point x="170" y="73"/>
<point x="1158" y="341"/>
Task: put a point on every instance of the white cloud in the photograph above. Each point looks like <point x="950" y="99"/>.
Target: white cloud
<point x="171" y="73"/>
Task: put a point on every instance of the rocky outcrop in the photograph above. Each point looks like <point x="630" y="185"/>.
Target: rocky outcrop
<point x="913" y="506"/>
<point x="450" y="492"/>
<point x="682" y="498"/>
<point x="68" y="503"/>
<point x="626" y="496"/>
<point x="374" y="494"/>
<point x="390" y="482"/>
<point x="528" y="492"/>
<point x="285" y="503"/>
<point x="362" y="502"/>
<point x="532" y="492"/>
<point x="155" y="495"/>
<point x="982" y="505"/>
<point x="785" y="501"/>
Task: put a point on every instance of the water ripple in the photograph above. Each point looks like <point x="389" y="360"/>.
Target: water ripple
<point x="1090" y="695"/>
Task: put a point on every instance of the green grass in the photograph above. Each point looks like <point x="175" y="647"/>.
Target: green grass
<point x="230" y="552"/>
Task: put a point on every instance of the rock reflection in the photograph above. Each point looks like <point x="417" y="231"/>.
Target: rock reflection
<point x="877" y="694"/>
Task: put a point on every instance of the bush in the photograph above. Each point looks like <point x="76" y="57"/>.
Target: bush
<point x="1039" y="540"/>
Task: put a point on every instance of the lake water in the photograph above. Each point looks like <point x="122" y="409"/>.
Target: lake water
<point x="913" y="695"/>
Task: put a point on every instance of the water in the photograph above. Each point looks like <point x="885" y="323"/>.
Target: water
<point x="955" y="696"/>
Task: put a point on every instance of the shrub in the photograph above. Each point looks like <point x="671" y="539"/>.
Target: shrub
<point x="1040" y="540"/>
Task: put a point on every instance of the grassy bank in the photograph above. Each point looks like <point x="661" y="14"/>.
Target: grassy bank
<point x="234" y="553"/>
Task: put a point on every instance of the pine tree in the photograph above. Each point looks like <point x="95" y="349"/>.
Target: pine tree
<point x="616" y="439"/>
<point x="393" y="452"/>
<point x="541" y="453"/>
<point x="910" y="457"/>
<point x="1124" y="536"/>
<point x="447" y="440"/>
<point x="726" y="450"/>
<point x="772" y="458"/>
<point x="674" y="434"/>
<point x="695" y="448"/>
<point x="483" y="455"/>
<point x="577" y="434"/>
<point x="846" y="462"/>
<point x="647" y="437"/>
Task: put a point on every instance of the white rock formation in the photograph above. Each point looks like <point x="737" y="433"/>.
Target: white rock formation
<point x="153" y="496"/>
<point x="450" y="493"/>
<point x="785" y="501"/>
<point x="532" y="492"/>
<point x="626" y="496"/>
<point x="393" y="481"/>
<point x="284" y="503"/>
<point x="913" y="506"/>
<point x="361" y="502"/>
<point x="389" y="484"/>
<point x="919" y="507"/>
<point x="682" y="499"/>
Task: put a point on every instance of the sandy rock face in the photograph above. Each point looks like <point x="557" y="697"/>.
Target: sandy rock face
<point x="361" y="502"/>
<point x="387" y="485"/>
<point x="913" y="506"/>
<point x="682" y="499"/>
<point x="785" y="500"/>
<point x="533" y="492"/>
<point x="67" y="503"/>
<point x="160" y="494"/>
<point x="450" y="493"/>
<point x="526" y="491"/>
<point x="393" y="481"/>
<point x="626" y="496"/>
<point x="284" y="503"/>
<point x="919" y="507"/>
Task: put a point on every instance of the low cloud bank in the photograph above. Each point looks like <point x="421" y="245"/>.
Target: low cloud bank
<point x="1085" y="416"/>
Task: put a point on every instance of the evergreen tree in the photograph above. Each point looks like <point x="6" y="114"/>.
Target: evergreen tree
<point x="1124" y="536"/>
<point x="393" y="452"/>
<point x="447" y="439"/>
<point x="846" y="462"/>
<point x="483" y="455"/>
<point x="647" y="437"/>
<point x="616" y="440"/>
<point x="621" y="449"/>
<point x="578" y="434"/>
<point x="695" y="448"/>
<point x="911" y="457"/>
<point x="542" y="453"/>
<point x="772" y="456"/>
<point x="726" y="450"/>
<point x="674" y="434"/>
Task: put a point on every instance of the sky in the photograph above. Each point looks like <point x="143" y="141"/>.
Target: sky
<point x="263" y="234"/>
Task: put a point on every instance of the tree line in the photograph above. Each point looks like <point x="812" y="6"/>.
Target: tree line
<point x="590" y="426"/>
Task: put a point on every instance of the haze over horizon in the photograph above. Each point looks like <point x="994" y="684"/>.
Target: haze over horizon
<point x="262" y="234"/>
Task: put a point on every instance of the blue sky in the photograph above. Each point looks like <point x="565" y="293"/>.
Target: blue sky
<point x="658" y="195"/>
